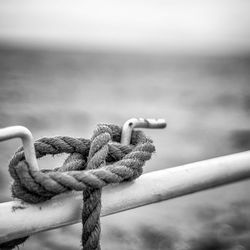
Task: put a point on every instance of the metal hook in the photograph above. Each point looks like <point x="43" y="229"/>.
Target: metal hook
<point x="27" y="140"/>
<point x="139" y="123"/>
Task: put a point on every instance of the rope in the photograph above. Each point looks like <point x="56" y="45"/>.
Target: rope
<point x="91" y="165"/>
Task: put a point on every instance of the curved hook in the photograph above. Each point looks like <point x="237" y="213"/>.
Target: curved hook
<point x="139" y="123"/>
<point x="27" y="140"/>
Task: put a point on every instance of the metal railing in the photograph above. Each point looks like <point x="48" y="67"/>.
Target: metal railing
<point x="18" y="219"/>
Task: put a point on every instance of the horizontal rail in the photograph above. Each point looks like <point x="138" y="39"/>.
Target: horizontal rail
<point x="18" y="219"/>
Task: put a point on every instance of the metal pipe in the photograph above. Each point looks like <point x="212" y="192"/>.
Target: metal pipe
<point x="132" y="123"/>
<point x="18" y="219"/>
<point x="27" y="140"/>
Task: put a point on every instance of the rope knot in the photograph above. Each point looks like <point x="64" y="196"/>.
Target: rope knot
<point x="91" y="165"/>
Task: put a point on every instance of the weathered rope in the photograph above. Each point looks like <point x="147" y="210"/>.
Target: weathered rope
<point x="91" y="165"/>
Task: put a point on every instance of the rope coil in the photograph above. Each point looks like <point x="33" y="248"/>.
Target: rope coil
<point x="91" y="165"/>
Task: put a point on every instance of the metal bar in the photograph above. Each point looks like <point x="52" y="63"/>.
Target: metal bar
<point x="19" y="219"/>
<point x="27" y="140"/>
<point x="132" y="123"/>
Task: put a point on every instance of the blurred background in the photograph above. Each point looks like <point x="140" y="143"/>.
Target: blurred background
<point x="67" y="65"/>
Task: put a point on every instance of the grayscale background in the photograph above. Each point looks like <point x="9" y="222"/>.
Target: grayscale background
<point x="67" y="65"/>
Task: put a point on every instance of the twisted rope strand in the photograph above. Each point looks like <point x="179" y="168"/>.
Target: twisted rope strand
<point x="91" y="228"/>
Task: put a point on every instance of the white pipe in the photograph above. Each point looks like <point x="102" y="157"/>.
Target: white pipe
<point x="27" y="139"/>
<point x="18" y="219"/>
<point x="132" y="123"/>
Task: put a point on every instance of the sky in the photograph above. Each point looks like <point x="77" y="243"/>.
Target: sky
<point x="149" y="25"/>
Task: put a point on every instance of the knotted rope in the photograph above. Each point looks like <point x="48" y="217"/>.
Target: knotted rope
<point x="91" y="165"/>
